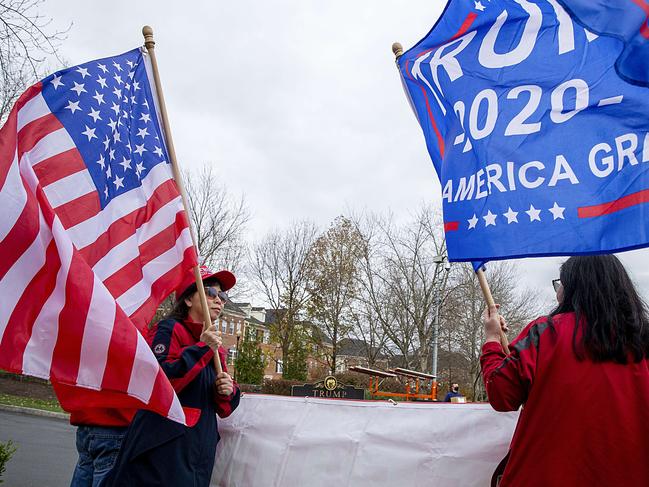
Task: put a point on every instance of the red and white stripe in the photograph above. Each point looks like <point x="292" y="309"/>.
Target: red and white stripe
<point x="74" y="279"/>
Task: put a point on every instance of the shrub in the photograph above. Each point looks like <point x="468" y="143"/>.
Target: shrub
<point x="6" y="451"/>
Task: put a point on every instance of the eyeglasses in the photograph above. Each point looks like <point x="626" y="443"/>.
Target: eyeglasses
<point x="212" y="292"/>
<point x="556" y="284"/>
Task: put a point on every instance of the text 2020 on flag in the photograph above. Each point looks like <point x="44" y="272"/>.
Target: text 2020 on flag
<point x="540" y="146"/>
<point x="92" y="237"/>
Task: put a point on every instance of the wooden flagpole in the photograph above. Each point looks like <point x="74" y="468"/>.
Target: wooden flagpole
<point x="149" y="43"/>
<point x="486" y="292"/>
<point x="397" y="49"/>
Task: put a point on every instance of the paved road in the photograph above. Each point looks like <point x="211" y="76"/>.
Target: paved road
<point x="46" y="453"/>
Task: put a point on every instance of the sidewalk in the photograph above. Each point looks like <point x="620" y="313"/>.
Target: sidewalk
<point x="34" y="412"/>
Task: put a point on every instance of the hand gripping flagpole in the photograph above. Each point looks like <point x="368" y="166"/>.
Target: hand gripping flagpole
<point x="149" y="43"/>
<point x="397" y="49"/>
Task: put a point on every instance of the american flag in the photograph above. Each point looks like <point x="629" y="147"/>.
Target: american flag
<point x="93" y="234"/>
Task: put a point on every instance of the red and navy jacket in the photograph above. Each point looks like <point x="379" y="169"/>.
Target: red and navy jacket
<point x="158" y="451"/>
<point x="583" y="423"/>
<point x="182" y="357"/>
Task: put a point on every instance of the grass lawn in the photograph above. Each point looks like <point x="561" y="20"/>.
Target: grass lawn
<point x="28" y="402"/>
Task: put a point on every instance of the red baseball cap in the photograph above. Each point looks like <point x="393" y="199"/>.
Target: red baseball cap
<point x="226" y="279"/>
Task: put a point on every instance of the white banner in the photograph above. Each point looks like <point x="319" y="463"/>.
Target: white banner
<point x="294" y="442"/>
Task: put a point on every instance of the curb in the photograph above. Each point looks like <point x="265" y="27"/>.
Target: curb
<point x="34" y="412"/>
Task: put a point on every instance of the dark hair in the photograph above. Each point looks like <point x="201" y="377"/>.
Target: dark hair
<point x="180" y="309"/>
<point x="608" y="310"/>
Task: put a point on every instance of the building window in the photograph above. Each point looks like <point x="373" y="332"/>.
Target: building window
<point x="232" y="355"/>
<point x="259" y="335"/>
<point x="224" y="326"/>
<point x="266" y="336"/>
<point x="279" y="366"/>
<point x="239" y="327"/>
<point x="232" y="328"/>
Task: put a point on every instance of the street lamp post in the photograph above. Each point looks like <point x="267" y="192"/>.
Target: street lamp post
<point x="438" y="260"/>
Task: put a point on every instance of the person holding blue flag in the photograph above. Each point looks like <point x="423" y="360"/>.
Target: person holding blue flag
<point x="582" y="374"/>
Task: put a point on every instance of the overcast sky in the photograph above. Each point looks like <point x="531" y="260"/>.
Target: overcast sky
<point x="296" y="104"/>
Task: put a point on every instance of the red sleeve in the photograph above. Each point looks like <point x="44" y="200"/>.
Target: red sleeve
<point x="180" y="364"/>
<point x="224" y="405"/>
<point x="508" y="378"/>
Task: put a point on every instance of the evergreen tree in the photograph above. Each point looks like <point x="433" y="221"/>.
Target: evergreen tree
<point x="295" y="366"/>
<point x="250" y="363"/>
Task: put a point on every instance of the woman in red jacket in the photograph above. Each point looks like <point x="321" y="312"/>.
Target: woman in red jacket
<point x="582" y="376"/>
<point x="157" y="451"/>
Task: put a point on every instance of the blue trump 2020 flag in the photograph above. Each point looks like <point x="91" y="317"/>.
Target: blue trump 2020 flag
<point x="540" y="146"/>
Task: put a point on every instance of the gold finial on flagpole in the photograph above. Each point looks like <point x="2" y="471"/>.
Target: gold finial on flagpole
<point x="147" y="32"/>
<point x="397" y="49"/>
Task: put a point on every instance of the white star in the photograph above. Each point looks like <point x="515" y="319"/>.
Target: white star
<point x="136" y="85"/>
<point x="133" y="102"/>
<point x="83" y="72"/>
<point x="118" y="93"/>
<point x="139" y="149"/>
<point x="112" y="124"/>
<point x="56" y="82"/>
<point x="90" y="133"/>
<point x="106" y="191"/>
<point x="109" y="173"/>
<point x="102" y="67"/>
<point x="127" y="86"/>
<point x="78" y="88"/>
<point x="145" y="117"/>
<point x="146" y="103"/>
<point x="73" y="106"/>
<point x="94" y="114"/>
<point x="117" y="137"/>
<point x="511" y="215"/>
<point x="111" y="154"/>
<point x="126" y="163"/>
<point x="139" y="168"/>
<point x="142" y="132"/>
<point x="99" y="97"/>
<point x="106" y="142"/>
<point x="102" y="81"/>
<point x="124" y="114"/>
<point x="479" y="6"/>
<point x="557" y="211"/>
<point x="118" y="182"/>
<point x="490" y="219"/>
<point x="131" y="74"/>
<point x="118" y="78"/>
<point x="117" y="66"/>
<point x="102" y="161"/>
<point x="115" y="108"/>
<point x="130" y="63"/>
<point x="472" y="221"/>
<point x="533" y="214"/>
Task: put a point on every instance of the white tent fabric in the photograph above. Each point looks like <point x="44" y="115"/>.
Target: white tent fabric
<point x="294" y="442"/>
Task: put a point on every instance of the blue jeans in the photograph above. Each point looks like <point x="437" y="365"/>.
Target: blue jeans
<point x="98" y="448"/>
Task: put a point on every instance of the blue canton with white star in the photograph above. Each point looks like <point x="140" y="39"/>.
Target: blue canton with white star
<point x="107" y="108"/>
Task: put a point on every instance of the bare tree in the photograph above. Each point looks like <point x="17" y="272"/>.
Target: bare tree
<point x="26" y="43"/>
<point x="278" y="267"/>
<point x="219" y="220"/>
<point x="404" y="283"/>
<point x="332" y="282"/>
